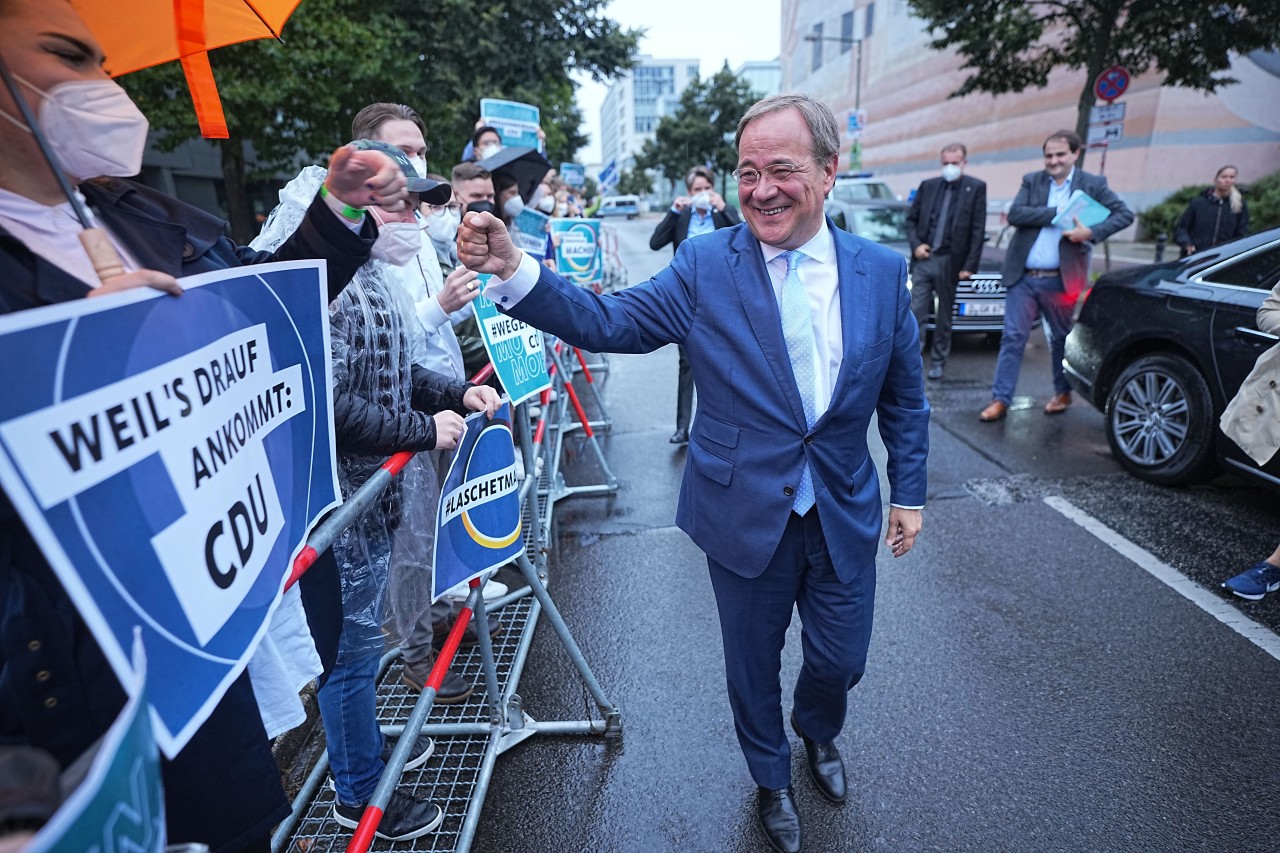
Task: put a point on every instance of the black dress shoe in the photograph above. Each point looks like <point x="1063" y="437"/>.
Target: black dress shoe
<point x="825" y="765"/>
<point x="779" y="819"/>
<point x="680" y="436"/>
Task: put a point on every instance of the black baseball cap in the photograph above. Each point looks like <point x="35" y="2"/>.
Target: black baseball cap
<point x="432" y="192"/>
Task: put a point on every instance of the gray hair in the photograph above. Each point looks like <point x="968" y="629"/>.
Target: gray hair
<point x="817" y="116"/>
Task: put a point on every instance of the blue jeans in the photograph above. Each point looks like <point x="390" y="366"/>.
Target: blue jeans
<point x="1024" y="298"/>
<point x="348" y="708"/>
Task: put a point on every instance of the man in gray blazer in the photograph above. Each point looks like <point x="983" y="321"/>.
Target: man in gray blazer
<point x="1047" y="267"/>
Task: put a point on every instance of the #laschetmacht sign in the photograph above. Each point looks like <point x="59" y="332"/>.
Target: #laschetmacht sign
<point x="170" y="455"/>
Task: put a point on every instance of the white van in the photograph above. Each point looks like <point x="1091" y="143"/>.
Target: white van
<point x="620" y="205"/>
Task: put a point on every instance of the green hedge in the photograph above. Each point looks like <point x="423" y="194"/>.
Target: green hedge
<point x="1262" y="196"/>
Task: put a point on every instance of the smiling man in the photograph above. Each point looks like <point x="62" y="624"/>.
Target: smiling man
<point x="797" y="333"/>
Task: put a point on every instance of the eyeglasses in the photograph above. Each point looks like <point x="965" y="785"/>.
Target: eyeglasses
<point x="778" y="173"/>
<point x="453" y="207"/>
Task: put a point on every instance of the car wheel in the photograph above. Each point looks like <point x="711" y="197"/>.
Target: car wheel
<point x="1160" y="421"/>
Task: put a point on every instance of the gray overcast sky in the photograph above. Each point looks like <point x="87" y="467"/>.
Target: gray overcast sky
<point x="711" y="31"/>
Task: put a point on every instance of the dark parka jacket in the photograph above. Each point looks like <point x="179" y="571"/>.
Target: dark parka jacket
<point x="1208" y="221"/>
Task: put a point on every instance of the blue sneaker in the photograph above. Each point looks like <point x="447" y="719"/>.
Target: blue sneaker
<point x="1256" y="582"/>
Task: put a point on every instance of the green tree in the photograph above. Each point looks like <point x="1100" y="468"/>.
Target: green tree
<point x="701" y="129"/>
<point x="634" y="181"/>
<point x="292" y="102"/>
<point x="1010" y="45"/>
<point x="1262" y="196"/>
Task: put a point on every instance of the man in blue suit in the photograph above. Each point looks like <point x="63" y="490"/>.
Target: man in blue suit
<point x="797" y="333"/>
<point x="1047" y="267"/>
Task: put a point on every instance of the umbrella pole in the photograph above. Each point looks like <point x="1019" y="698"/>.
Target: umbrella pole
<point x="105" y="258"/>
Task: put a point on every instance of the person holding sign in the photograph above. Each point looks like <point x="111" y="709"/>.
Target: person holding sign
<point x="1047" y="266"/>
<point x="384" y="402"/>
<point x="223" y="788"/>
<point x="700" y="212"/>
<point x="797" y="334"/>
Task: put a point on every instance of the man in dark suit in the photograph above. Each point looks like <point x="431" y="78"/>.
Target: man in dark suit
<point x="797" y="333"/>
<point x="700" y="212"/>
<point x="1047" y="268"/>
<point x="945" y="229"/>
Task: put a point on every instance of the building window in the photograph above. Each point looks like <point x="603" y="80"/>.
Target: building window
<point x="869" y="20"/>
<point x="817" y="47"/>
<point x="846" y="32"/>
<point x="692" y="71"/>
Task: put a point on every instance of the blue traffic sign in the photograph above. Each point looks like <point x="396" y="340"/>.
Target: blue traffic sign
<point x="1111" y="83"/>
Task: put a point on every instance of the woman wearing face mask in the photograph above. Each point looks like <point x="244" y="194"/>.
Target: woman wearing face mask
<point x="383" y="403"/>
<point x="223" y="789"/>
<point x="1216" y="216"/>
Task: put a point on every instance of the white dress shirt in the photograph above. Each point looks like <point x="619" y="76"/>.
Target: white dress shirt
<point x="1044" y="251"/>
<point x="53" y="233"/>
<point x="423" y="280"/>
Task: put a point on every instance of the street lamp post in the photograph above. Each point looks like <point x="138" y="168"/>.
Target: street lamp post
<point x="857" y="82"/>
<point x="855" y="155"/>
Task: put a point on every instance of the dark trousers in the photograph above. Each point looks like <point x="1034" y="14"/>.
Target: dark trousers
<point x="754" y="616"/>
<point x="929" y="278"/>
<point x="684" y="392"/>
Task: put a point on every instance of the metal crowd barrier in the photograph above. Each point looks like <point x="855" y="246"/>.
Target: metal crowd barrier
<point x="541" y="434"/>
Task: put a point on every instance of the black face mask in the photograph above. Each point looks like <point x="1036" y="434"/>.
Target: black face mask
<point x="482" y="207"/>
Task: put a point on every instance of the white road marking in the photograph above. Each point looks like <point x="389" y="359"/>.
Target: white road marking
<point x="1261" y="636"/>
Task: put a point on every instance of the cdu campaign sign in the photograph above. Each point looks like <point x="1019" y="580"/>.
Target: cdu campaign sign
<point x="514" y="347"/>
<point x="578" y="255"/>
<point x="516" y="123"/>
<point x="478" y="523"/>
<point x="169" y="455"/>
<point x="119" y="804"/>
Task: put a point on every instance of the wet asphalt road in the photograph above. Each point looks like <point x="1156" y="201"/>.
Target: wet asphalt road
<point x="1028" y="688"/>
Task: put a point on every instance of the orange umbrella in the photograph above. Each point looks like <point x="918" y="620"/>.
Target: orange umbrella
<point x="137" y="34"/>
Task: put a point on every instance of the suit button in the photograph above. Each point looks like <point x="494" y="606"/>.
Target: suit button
<point x="51" y="702"/>
<point x="188" y="251"/>
<point x="788" y="491"/>
<point x="1260" y="409"/>
<point x="34" y="646"/>
<point x="42" y="675"/>
<point x="808" y="439"/>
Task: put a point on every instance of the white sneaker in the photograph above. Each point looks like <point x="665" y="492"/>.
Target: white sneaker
<point x="492" y="591"/>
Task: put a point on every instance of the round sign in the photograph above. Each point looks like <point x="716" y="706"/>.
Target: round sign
<point x="1111" y="83"/>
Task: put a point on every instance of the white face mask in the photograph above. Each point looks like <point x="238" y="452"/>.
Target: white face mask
<point x="951" y="172"/>
<point x="419" y="166"/>
<point x="702" y="201"/>
<point x="397" y="243"/>
<point x="547" y="203"/>
<point x="489" y="150"/>
<point x="93" y="126"/>
<point x="512" y="206"/>
<point x="443" y="226"/>
<point x="562" y="209"/>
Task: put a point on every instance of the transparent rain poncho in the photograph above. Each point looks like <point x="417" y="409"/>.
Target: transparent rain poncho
<point x="374" y="341"/>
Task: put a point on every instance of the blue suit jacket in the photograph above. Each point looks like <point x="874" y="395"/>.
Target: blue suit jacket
<point x="1030" y="212"/>
<point x="749" y="439"/>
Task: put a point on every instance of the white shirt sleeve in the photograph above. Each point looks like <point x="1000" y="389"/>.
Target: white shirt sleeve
<point x="507" y="293"/>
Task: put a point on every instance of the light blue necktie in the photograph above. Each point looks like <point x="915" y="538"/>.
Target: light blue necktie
<point x="797" y="330"/>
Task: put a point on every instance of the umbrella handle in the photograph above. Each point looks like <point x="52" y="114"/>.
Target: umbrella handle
<point x="102" y="253"/>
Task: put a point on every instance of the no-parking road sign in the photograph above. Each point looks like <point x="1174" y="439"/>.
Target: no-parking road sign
<point x="1111" y="83"/>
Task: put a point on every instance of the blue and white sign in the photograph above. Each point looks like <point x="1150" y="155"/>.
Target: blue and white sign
<point x="530" y="232"/>
<point x="169" y="455"/>
<point x="515" y="122"/>
<point x="573" y="174"/>
<point x="478" y="523"/>
<point x="608" y="176"/>
<point x="119" y="805"/>
<point x="578" y="255"/>
<point x="515" y="350"/>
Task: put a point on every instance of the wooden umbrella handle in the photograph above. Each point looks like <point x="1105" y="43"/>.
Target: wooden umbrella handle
<point x="102" y="253"/>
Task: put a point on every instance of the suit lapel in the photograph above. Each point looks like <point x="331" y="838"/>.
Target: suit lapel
<point x="855" y="310"/>
<point x="760" y="307"/>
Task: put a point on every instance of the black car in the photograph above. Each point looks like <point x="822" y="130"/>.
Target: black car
<point x="1162" y="349"/>
<point x="979" y="304"/>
